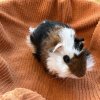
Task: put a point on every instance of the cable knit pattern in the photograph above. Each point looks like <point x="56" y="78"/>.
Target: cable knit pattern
<point x="18" y="68"/>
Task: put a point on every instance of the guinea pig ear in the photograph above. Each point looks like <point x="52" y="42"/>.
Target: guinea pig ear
<point x="57" y="47"/>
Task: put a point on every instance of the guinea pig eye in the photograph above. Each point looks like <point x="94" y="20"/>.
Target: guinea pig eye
<point x="66" y="58"/>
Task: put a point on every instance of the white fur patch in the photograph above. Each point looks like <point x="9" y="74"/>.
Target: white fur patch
<point x="77" y="52"/>
<point x="67" y="36"/>
<point x="44" y="21"/>
<point x="56" y="65"/>
<point x="73" y="76"/>
<point x="28" y="41"/>
<point x="31" y="30"/>
<point x="67" y="40"/>
<point x="90" y="63"/>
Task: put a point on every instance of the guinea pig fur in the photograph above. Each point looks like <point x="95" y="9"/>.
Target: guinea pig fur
<point x="59" y="49"/>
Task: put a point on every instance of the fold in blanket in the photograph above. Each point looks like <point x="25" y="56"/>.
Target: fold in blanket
<point x="18" y="68"/>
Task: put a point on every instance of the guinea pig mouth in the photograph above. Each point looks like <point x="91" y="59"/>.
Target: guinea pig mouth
<point x="79" y="72"/>
<point x="75" y="77"/>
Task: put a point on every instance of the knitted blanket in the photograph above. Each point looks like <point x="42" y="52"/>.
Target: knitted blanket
<point x="18" y="67"/>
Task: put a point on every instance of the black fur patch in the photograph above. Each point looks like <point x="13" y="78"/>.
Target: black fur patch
<point x="41" y="33"/>
<point x="78" y="43"/>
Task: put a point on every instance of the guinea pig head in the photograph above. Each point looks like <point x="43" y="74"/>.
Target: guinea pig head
<point x="64" y="66"/>
<point x="79" y="64"/>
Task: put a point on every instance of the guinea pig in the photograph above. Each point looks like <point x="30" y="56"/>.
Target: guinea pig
<point x="59" y="49"/>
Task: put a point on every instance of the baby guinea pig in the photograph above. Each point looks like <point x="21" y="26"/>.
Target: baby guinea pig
<point x="60" y="50"/>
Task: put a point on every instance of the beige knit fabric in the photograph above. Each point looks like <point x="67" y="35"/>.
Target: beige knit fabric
<point x="21" y="94"/>
<point x="18" y="68"/>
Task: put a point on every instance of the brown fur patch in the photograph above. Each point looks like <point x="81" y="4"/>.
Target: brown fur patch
<point x="49" y="43"/>
<point x="78" y="65"/>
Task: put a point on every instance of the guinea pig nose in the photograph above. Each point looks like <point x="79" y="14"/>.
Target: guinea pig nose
<point x="66" y="58"/>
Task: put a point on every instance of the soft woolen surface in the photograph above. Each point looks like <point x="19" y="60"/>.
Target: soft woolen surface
<point x="21" y="94"/>
<point x="18" y="68"/>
